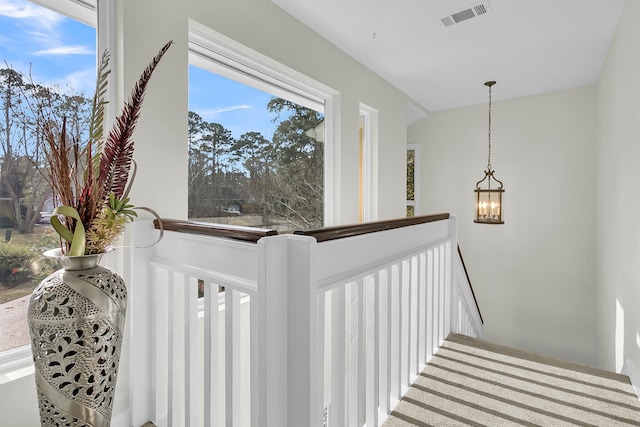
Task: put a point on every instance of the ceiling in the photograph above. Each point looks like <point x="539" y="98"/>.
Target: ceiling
<point x="527" y="46"/>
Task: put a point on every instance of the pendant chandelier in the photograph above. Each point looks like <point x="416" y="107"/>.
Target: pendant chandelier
<point x="489" y="191"/>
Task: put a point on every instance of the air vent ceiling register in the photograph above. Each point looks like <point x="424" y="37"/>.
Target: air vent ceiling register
<point x="459" y="16"/>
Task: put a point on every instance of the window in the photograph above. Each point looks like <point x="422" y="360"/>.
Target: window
<point x="257" y="140"/>
<point x="413" y="181"/>
<point x="37" y="45"/>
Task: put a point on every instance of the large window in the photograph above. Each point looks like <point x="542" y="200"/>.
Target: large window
<point x="413" y="179"/>
<point x="256" y="144"/>
<point x="47" y="48"/>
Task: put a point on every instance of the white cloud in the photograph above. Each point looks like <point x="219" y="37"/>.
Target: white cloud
<point x="40" y="25"/>
<point x="81" y="81"/>
<point x="231" y="108"/>
<point x="217" y="111"/>
<point x="44" y="38"/>
<point x="66" y="50"/>
<point x="35" y="15"/>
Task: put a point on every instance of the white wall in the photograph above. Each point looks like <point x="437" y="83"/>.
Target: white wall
<point x="19" y="402"/>
<point x="619" y="196"/>
<point x="534" y="276"/>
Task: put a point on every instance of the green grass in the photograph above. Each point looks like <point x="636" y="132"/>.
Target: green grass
<point x="22" y="265"/>
<point x="20" y="290"/>
<point x="34" y="238"/>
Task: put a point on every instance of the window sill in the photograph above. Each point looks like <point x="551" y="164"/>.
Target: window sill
<point x="15" y="364"/>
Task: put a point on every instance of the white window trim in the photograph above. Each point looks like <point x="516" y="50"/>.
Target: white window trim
<point x="18" y="362"/>
<point x="369" y="167"/>
<point x="217" y="53"/>
<point x="416" y="177"/>
<point x="80" y="10"/>
<point x="15" y="364"/>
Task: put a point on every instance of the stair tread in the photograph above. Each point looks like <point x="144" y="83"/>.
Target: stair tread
<point x="536" y="357"/>
<point x="475" y="382"/>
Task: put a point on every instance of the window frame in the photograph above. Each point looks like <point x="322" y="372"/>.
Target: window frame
<point x="368" y="168"/>
<point x="219" y="54"/>
<point x="17" y="362"/>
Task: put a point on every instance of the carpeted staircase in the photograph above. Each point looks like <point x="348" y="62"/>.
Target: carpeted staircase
<point x="471" y="382"/>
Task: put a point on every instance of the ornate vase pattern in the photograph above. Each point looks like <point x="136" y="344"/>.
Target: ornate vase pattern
<point x="76" y="321"/>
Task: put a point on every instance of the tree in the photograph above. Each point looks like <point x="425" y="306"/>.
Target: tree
<point x="10" y="84"/>
<point x="209" y="146"/>
<point x="197" y="174"/>
<point x="24" y="174"/>
<point x="21" y="183"/>
<point x="411" y="167"/>
<point x="256" y="153"/>
<point x="299" y="158"/>
<point x="281" y="180"/>
<point x="217" y="141"/>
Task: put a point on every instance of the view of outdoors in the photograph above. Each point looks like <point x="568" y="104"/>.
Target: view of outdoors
<point x="43" y="48"/>
<point x="266" y="173"/>
<point x="254" y="159"/>
<point x="411" y="168"/>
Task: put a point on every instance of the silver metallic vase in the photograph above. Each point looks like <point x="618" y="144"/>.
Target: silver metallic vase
<point x="76" y="321"/>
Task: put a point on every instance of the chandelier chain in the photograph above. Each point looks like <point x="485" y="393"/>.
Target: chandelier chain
<point x="489" y="155"/>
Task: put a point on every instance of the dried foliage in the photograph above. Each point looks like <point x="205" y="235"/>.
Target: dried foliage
<point x="93" y="177"/>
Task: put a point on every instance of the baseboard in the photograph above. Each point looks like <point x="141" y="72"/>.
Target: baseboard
<point x="631" y="370"/>
<point x="123" y="419"/>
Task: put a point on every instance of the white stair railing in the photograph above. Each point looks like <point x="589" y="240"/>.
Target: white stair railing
<point x="193" y="303"/>
<point x="293" y="331"/>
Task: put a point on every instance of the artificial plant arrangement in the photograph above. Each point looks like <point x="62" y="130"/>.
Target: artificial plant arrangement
<point x="91" y="181"/>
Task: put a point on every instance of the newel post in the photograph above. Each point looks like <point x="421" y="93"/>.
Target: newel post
<point x="142" y="353"/>
<point x="289" y="321"/>
<point x="452" y="285"/>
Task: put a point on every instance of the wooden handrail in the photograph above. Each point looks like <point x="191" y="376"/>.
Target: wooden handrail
<point x="234" y="232"/>
<point x="252" y="235"/>
<point x="464" y="267"/>
<point x="342" y="231"/>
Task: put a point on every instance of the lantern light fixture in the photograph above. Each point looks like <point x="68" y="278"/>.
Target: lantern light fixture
<point x="489" y="190"/>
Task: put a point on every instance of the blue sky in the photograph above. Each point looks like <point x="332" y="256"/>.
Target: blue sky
<point x="61" y="51"/>
<point x="237" y="107"/>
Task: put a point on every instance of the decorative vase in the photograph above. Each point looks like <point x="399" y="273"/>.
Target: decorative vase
<point x="76" y="321"/>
